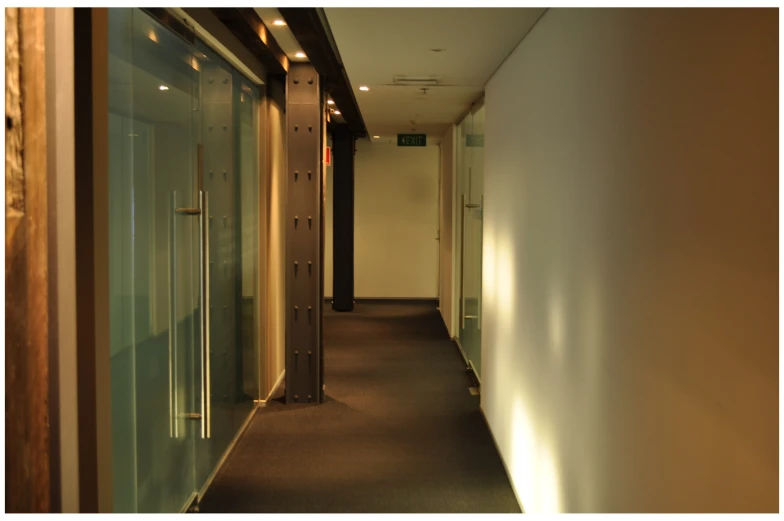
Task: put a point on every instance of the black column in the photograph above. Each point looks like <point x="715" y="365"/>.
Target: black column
<point x="304" y="291"/>
<point x="343" y="218"/>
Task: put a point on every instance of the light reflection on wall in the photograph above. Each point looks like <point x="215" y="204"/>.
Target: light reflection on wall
<point x="532" y="468"/>
<point x="555" y="316"/>
<point x="531" y="457"/>
<point x="589" y="410"/>
<point x="622" y="372"/>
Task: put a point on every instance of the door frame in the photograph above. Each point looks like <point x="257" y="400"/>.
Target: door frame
<point x="91" y="147"/>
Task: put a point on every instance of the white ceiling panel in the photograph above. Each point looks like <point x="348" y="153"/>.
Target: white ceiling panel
<point x="461" y="47"/>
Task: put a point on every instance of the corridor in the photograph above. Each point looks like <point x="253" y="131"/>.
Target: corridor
<point x="392" y="260"/>
<point x="399" y="432"/>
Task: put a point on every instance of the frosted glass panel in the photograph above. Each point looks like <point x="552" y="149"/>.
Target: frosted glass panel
<point x="471" y="193"/>
<point x="151" y="149"/>
<point x="228" y="132"/>
<point x="168" y="100"/>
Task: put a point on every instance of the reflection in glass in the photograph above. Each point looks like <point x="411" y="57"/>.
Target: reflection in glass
<point x="228" y="105"/>
<point x="166" y="97"/>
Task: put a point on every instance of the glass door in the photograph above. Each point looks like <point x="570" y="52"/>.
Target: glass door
<point x="153" y="263"/>
<point x="471" y="183"/>
<point x="183" y="199"/>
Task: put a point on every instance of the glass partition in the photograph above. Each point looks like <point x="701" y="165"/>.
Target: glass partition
<point x="153" y="278"/>
<point x="470" y="193"/>
<point x="183" y="236"/>
<point x="228" y="104"/>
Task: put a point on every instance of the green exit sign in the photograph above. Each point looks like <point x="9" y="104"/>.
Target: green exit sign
<point x="411" y="140"/>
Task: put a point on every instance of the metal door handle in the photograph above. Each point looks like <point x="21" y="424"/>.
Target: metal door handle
<point x="173" y="414"/>
<point x="462" y="262"/>
<point x="204" y="291"/>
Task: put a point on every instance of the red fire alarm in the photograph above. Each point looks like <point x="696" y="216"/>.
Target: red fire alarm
<point x="328" y="156"/>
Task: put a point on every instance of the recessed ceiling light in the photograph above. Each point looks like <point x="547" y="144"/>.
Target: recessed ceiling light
<point x="330" y="102"/>
<point x="278" y="22"/>
<point x="376" y="137"/>
<point x="337" y="112"/>
<point x="300" y="54"/>
<point x="163" y="87"/>
<point x="364" y="87"/>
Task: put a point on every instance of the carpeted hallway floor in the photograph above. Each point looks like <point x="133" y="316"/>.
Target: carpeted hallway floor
<point x="399" y="432"/>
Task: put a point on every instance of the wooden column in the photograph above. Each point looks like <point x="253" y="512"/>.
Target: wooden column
<point x="27" y="447"/>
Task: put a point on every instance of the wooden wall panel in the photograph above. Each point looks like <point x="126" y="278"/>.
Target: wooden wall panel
<point x="27" y="450"/>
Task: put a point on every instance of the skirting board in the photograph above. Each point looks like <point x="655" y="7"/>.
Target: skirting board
<point x="281" y="378"/>
<point x="192" y="501"/>
<point x="225" y="457"/>
<point x="476" y="375"/>
<point x="468" y="363"/>
<point x="503" y="462"/>
<point x="462" y="353"/>
<point x="444" y="321"/>
<point x="227" y="453"/>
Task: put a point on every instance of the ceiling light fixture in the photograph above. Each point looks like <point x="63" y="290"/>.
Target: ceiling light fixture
<point x="163" y="87"/>
<point x="278" y="22"/>
<point x="376" y="137"/>
<point x="337" y="112"/>
<point x="330" y="102"/>
<point x="300" y="54"/>
<point x="364" y="87"/>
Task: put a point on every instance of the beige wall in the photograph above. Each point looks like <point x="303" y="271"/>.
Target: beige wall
<point x="395" y="222"/>
<point x="630" y="354"/>
<point x="445" y="228"/>
<point x="60" y="143"/>
<point x="276" y="247"/>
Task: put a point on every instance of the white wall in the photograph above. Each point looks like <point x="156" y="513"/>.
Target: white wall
<point x="395" y="222"/>
<point x="445" y="260"/>
<point x="630" y="354"/>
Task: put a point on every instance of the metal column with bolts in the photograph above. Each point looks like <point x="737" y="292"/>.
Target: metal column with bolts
<point x="304" y="242"/>
<point x="343" y="146"/>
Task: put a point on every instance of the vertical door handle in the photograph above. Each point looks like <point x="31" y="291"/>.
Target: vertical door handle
<point x="462" y="262"/>
<point x="204" y="268"/>
<point x="173" y="423"/>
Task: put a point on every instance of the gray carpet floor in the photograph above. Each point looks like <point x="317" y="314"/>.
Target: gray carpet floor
<point x="398" y="433"/>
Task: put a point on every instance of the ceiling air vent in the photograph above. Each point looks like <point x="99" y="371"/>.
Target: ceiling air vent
<point x="416" y="81"/>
